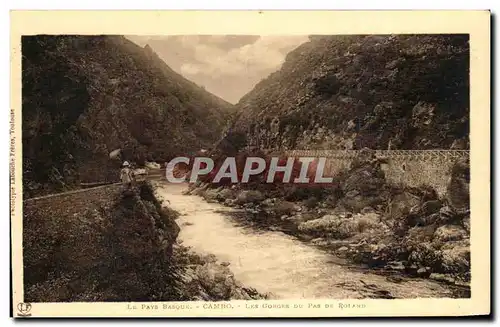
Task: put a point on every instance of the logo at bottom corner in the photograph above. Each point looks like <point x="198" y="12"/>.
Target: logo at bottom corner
<point x="24" y="309"/>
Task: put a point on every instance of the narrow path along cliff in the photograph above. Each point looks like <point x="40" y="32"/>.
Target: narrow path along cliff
<point x="278" y="264"/>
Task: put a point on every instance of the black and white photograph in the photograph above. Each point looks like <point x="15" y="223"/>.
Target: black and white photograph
<point x="166" y="172"/>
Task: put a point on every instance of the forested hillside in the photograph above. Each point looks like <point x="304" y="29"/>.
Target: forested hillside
<point x="375" y="91"/>
<point x="85" y="96"/>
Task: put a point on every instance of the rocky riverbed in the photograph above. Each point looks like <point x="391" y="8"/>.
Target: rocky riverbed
<point x="365" y="220"/>
<point x="269" y="256"/>
<point x="205" y="278"/>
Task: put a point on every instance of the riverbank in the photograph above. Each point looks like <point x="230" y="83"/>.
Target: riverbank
<point x="111" y="244"/>
<point x="205" y="278"/>
<point x="271" y="259"/>
<point x="366" y="220"/>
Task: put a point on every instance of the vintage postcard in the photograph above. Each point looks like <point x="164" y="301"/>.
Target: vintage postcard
<point x="250" y="163"/>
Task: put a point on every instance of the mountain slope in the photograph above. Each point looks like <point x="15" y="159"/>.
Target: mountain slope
<point x="85" y="96"/>
<point x="351" y="92"/>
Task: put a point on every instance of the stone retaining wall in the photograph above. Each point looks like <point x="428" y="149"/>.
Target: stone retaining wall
<point x="407" y="167"/>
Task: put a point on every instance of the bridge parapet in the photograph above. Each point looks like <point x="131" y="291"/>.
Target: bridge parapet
<point x="408" y="167"/>
<point x="410" y="154"/>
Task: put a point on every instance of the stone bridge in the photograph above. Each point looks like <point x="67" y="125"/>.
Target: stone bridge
<point x="407" y="167"/>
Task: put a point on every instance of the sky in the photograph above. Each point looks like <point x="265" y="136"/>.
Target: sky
<point x="227" y="65"/>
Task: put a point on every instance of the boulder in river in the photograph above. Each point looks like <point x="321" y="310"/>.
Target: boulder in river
<point x="395" y="265"/>
<point x="216" y="279"/>
<point x="269" y="202"/>
<point x="202" y="278"/>
<point x="339" y="226"/>
<point x="229" y="202"/>
<point x="430" y="207"/>
<point x="401" y="204"/>
<point x="424" y="272"/>
<point x="424" y="254"/>
<point x="322" y="226"/>
<point x="210" y="195"/>
<point x="225" y="194"/>
<point x="249" y="196"/>
<point x="466" y="224"/>
<point x="283" y="208"/>
<point x="457" y="191"/>
<point x="299" y="218"/>
<point x="363" y="183"/>
<point x="450" y="233"/>
<point x="419" y="234"/>
<point x="456" y="258"/>
<point x="199" y="190"/>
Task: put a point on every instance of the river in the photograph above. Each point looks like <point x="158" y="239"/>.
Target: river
<point x="279" y="264"/>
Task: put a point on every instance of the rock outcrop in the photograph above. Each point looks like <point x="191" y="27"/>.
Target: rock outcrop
<point x="205" y="279"/>
<point x="458" y="192"/>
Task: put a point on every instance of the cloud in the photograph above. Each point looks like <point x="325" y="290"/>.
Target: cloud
<point x="190" y="69"/>
<point x="263" y="55"/>
<point x="226" y="65"/>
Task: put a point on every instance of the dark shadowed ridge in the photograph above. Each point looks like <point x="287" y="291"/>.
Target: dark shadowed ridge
<point x="85" y="96"/>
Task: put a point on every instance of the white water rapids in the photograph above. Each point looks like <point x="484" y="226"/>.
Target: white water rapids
<point x="276" y="263"/>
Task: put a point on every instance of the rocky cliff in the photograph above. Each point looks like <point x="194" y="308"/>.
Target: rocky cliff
<point x="85" y="96"/>
<point x="375" y="91"/>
